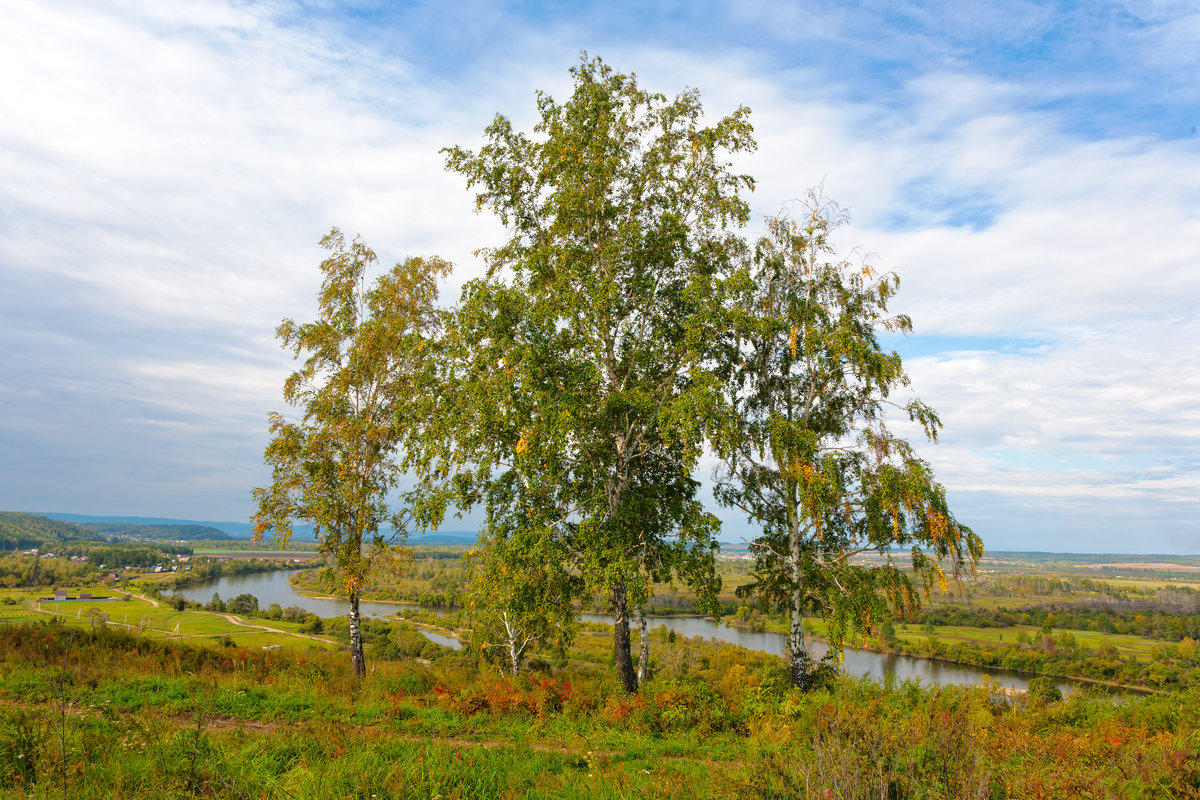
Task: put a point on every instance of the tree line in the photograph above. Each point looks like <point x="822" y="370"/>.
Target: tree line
<point x="625" y="326"/>
<point x="1151" y="624"/>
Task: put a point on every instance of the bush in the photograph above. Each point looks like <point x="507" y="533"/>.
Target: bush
<point x="244" y="604"/>
<point x="1042" y="689"/>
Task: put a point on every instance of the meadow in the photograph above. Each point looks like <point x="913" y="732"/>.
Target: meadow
<point x="150" y="618"/>
<point x="133" y="697"/>
<point x="105" y="712"/>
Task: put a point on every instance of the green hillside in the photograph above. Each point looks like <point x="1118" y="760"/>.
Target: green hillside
<point x="188" y="533"/>
<point x="21" y="531"/>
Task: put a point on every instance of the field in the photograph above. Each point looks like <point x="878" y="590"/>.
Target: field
<point x="133" y="698"/>
<point x="152" y="619"/>
<point x="106" y="713"/>
<point x="1136" y="647"/>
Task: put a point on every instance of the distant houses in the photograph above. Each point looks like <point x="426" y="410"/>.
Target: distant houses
<point x="60" y="595"/>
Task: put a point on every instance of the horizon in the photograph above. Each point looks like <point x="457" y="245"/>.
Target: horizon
<point x="459" y="533"/>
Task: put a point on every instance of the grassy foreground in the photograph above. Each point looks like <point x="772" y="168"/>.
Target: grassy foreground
<point x="105" y="713"/>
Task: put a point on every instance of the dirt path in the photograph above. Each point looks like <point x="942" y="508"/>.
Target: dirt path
<point x="225" y="723"/>
<point x="149" y="600"/>
<point x="235" y="621"/>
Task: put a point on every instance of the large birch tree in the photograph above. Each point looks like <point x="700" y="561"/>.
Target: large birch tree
<point x="809" y="451"/>
<point x="580" y="379"/>
<point x="364" y="369"/>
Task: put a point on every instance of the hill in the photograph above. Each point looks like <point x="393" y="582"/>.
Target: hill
<point x="141" y="716"/>
<point x="232" y="530"/>
<point x="19" y="531"/>
<point x="158" y="533"/>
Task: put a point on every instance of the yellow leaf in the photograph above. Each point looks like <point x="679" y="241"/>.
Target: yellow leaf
<point x="942" y="584"/>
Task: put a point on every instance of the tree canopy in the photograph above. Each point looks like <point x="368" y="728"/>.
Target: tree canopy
<point x="364" y="363"/>
<point x="580" y="363"/>
<point x="623" y="326"/>
<point x="808" y="451"/>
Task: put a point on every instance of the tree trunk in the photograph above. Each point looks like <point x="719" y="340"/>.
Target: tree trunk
<point x="514" y="649"/>
<point x="798" y="656"/>
<point x="620" y="603"/>
<point x="356" y="645"/>
<point x="644" y="645"/>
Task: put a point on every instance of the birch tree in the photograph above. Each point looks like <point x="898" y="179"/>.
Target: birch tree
<point x="363" y="369"/>
<point x="808" y="448"/>
<point x="521" y="598"/>
<point x="581" y="369"/>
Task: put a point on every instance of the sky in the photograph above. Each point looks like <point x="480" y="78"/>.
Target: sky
<point x="1030" y="170"/>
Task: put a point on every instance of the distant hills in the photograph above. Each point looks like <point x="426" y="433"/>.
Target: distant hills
<point x="164" y="532"/>
<point x="227" y="530"/>
<point x="189" y="529"/>
<point x="24" y="530"/>
<point x="19" y="531"/>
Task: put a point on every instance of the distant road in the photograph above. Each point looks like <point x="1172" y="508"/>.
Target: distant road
<point x="243" y="555"/>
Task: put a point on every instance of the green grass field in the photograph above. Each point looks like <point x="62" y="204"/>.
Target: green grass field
<point x="104" y="713"/>
<point x="153" y="621"/>
<point x="1130" y="646"/>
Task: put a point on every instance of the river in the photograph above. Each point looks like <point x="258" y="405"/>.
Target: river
<point x="273" y="587"/>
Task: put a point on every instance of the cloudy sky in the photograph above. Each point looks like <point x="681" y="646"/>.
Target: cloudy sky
<point x="1032" y="171"/>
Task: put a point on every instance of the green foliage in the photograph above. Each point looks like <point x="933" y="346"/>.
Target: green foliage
<point x="521" y="601"/>
<point x="578" y="361"/>
<point x="244" y="604"/>
<point x="364" y="362"/>
<point x="1042" y="689"/>
<point x="804" y="441"/>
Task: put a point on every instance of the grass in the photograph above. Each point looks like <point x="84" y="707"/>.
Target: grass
<point x="152" y="718"/>
<point x="161" y="621"/>
<point x="1129" y="646"/>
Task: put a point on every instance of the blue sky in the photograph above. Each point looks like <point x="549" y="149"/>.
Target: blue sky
<point x="1031" y="170"/>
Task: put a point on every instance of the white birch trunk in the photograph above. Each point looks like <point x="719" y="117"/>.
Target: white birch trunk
<point x="643" y="672"/>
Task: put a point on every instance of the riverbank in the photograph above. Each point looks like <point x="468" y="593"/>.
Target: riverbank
<point x="1064" y="656"/>
<point x="278" y="589"/>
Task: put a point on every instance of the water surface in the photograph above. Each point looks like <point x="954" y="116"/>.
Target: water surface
<point x="273" y="587"/>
